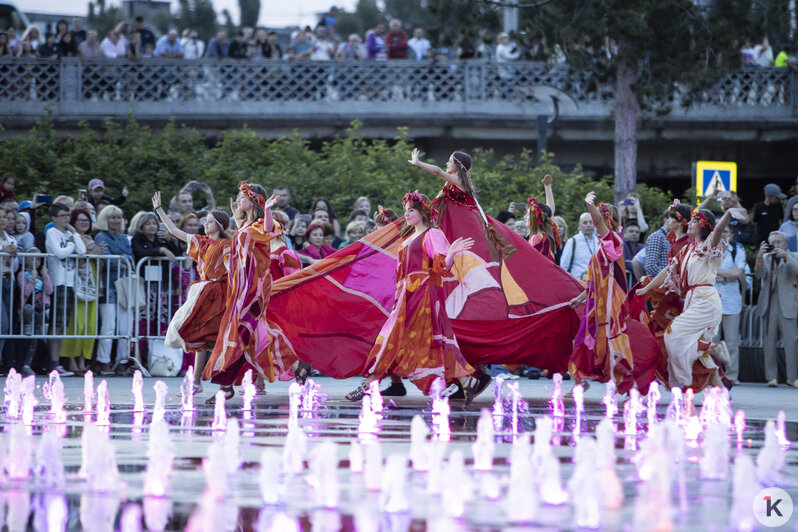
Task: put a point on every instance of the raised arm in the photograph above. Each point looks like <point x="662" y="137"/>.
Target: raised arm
<point x="170" y="225"/>
<point x="268" y="220"/>
<point x="547" y="180"/>
<point x="458" y="246"/>
<point x="598" y="220"/>
<point x="210" y="201"/>
<point x="723" y="223"/>
<point x="434" y="170"/>
<point x="641" y="220"/>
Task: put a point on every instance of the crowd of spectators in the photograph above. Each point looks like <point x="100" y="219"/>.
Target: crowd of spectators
<point x="763" y="245"/>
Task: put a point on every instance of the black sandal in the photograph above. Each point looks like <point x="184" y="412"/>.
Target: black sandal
<point x="470" y="389"/>
<point x="358" y="393"/>
<point x="229" y="393"/>
<point x="396" y="389"/>
<point x="302" y="372"/>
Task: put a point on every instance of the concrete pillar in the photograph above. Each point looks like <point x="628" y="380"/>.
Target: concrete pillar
<point x="511" y="16"/>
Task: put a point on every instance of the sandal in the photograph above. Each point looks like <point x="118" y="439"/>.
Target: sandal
<point x="396" y="389"/>
<point x="302" y="372"/>
<point x="470" y="389"/>
<point x="229" y="393"/>
<point x="358" y="393"/>
<point x="197" y="388"/>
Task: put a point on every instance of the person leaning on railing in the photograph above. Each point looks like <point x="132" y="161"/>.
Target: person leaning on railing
<point x="114" y="319"/>
<point x="8" y="264"/>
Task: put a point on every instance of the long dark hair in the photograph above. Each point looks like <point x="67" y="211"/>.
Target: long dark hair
<point x="73" y="217"/>
<point x="328" y="206"/>
<point x="706" y="231"/>
<point x="462" y="162"/>
<point x="547" y="228"/>
<point x="223" y="218"/>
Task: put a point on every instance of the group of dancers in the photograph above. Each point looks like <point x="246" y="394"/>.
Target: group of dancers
<point x="445" y="290"/>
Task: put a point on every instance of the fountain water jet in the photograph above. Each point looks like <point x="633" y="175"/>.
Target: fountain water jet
<point x="770" y="459"/>
<point x="440" y="412"/>
<point x="136" y="390"/>
<point x="48" y="466"/>
<point x="675" y="410"/>
<point x="28" y="401"/>
<point x="294" y="451"/>
<point x="715" y="462"/>
<point x="498" y="403"/>
<point x="745" y="487"/>
<point x="781" y="431"/>
<point x="187" y="390"/>
<point x="103" y="404"/>
<point x="13" y="394"/>
<point x="18" y="460"/>
<point x="98" y="466"/>
<point x="294" y="402"/>
<point x="367" y="417"/>
<point x="249" y="391"/>
<point x="651" y="404"/>
<point x="355" y="456"/>
<point x="219" y="413"/>
<point x="610" y="399"/>
<point x="160" y="459"/>
<point x="88" y="392"/>
<point x="161" y="389"/>
<point x="324" y="474"/>
<point x="57" y="398"/>
<point x="269" y="478"/>
<point x="419" y="446"/>
<point x="232" y="444"/>
<point x="483" y="446"/>
<point x="376" y="398"/>
<point x="584" y="485"/>
<point x="393" y="498"/>
<point x="579" y="407"/>
<point x="556" y="404"/>
<point x="521" y="503"/>
<point x="611" y="487"/>
<point x="372" y="469"/>
<point x="739" y="427"/>
<point x="460" y="491"/>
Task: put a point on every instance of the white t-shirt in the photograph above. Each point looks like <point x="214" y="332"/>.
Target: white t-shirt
<point x="323" y="50"/>
<point x="64" y="246"/>
<point x="419" y="47"/>
<point x="7" y="265"/>
<point x="580" y="248"/>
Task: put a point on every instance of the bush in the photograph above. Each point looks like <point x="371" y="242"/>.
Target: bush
<point x="343" y="169"/>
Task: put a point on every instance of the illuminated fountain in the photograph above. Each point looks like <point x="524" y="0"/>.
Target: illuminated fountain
<point x="610" y="399"/>
<point x="556" y="404"/>
<point x="136" y="390"/>
<point x="88" y="392"/>
<point x="158" y="411"/>
<point x="585" y="486"/>
<point x="103" y="404"/>
<point x="187" y="391"/>
<point x="483" y="446"/>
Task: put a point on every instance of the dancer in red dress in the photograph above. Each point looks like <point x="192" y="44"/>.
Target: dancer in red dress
<point x="603" y="347"/>
<point x="417" y="342"/>
<point x="544" y="235"/>
<point x="247" y="337"/>
<point x="196" y="323"/>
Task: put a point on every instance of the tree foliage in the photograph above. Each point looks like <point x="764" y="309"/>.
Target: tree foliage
<point x="197" y="14"/>
<point x="250" y="11"/>
<point x="103" y="18"/>
<point x="342" y="169"/>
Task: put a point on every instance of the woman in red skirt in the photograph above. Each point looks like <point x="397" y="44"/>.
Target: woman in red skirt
<point x="195" y="325"/>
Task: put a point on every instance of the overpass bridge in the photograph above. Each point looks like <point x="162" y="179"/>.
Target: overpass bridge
<point x="751" y="116"/>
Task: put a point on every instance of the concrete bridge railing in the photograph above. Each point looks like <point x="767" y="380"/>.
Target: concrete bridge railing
<point x="158" y="88"/>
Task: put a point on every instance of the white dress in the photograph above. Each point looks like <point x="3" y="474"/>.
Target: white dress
<point x="693" y="276"/>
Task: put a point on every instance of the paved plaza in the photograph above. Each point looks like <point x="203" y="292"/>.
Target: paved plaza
<point x="705" y="504"/>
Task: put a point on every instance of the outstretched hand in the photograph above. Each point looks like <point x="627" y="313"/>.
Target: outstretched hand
<point x="738" y="213"/>
<point x="590" y="199"/>
<point x="414" y="157"/>
<point x="156" y="200"/>
<point x="460" y="245"/>
<point x="547" y="180"/>
<point x="233" y="206"/>
<point x="271" y="202"/>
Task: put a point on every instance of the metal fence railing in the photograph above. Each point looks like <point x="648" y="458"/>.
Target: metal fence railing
<point x="104" y="298"/>
<point x="209" y="80"/>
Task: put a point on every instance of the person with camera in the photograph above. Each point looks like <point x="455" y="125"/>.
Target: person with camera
<point x="778" y="305"/>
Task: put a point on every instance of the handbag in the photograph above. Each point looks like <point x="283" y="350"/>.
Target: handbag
<point x="130" y="292"/>
<point x="85" y="283"/>
<point x="163" y="361"/>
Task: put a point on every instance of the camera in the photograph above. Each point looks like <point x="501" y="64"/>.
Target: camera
<point x="769" y="248"/>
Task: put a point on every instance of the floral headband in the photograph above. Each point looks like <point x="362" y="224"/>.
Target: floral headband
<point x="674" y="212"/>
<point x="604" y="209"/>
<point x="423" y="203"/>
<point x="703" y="221"/>
<point x="212" y="217"/>
<point x="455" y="159"/>
<point x="540" y="215"/>
<point x="246" y="188"/>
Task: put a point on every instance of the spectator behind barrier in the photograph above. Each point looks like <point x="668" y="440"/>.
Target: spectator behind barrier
<point x="768" y="214"/>
<point x="284" y="201"/>
<point x="778" y="305"/>
<point x="63" y="245"/>
<point x="729" y="282"/>
<point x="114" y="319"/>
<point x="579" y="248"/>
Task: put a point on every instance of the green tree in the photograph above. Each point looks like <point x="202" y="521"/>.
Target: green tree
<point x="103" y="18"/>
<point x="366" y="15"/>
<point x="250" y="11"/>
<point x="197" y="14"/>
<point x="664" y="47"/>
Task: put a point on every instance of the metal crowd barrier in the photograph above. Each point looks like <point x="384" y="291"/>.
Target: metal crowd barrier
<point x="147" y="297"/>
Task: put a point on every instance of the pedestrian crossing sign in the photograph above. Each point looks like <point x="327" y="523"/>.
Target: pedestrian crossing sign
<point x="711" y="176"/>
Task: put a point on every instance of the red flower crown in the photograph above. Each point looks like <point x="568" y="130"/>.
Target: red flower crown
<point x="673" y="211"/>
<point x="604" y="209"/>
<point x="246" y="188"/>
<point x="703" y="221"/>
<point x="423" y="203"/>
<point x="541" y="217"/>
